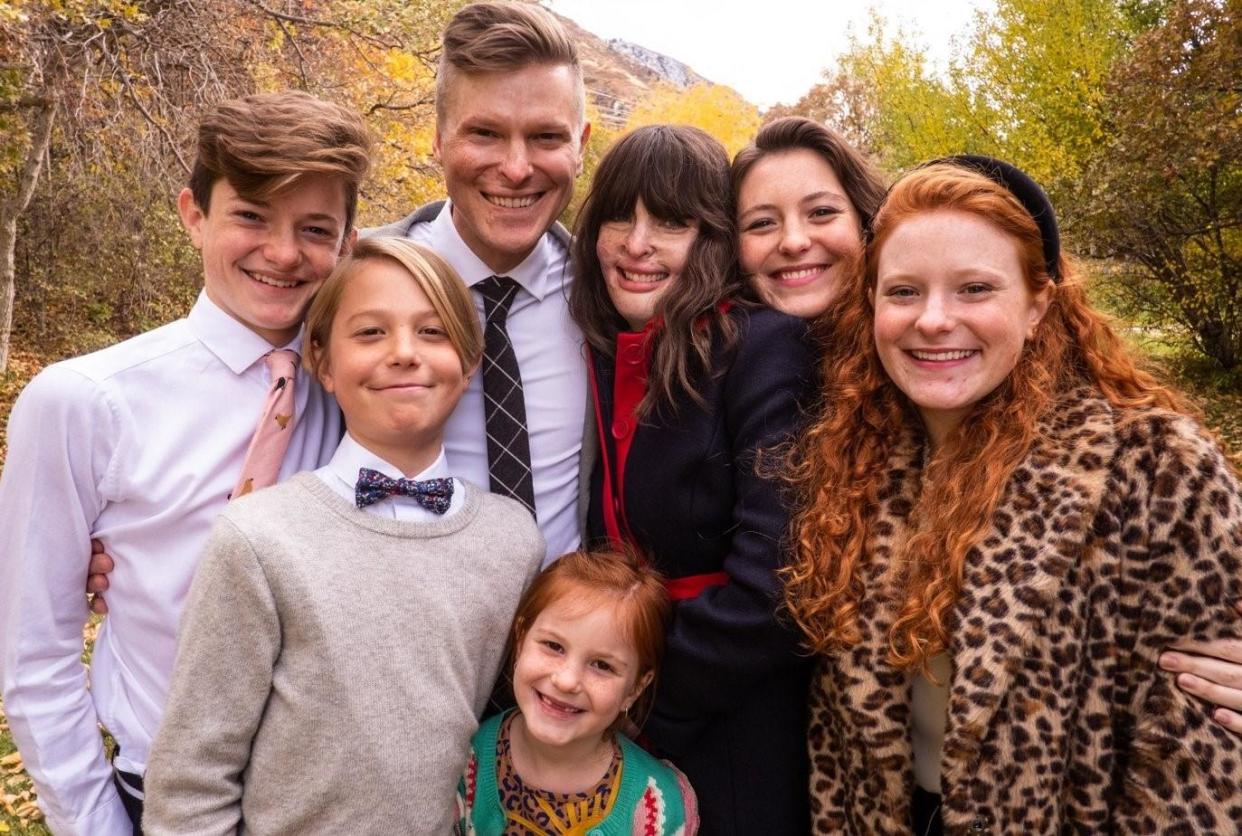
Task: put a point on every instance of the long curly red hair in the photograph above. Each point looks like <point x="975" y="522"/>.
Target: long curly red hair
<point x="840" y="467"/>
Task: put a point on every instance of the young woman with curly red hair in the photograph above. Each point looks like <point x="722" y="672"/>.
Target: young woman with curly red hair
<point x="1006" y="522"/>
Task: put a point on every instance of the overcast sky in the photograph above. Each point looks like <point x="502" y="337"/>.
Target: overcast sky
<point x="770" y="51"/>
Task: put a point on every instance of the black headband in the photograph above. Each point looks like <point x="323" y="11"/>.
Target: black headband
<point x="1028" y="193"/>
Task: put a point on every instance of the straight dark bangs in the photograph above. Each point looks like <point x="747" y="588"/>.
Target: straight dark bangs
<point x="660" y="169"/>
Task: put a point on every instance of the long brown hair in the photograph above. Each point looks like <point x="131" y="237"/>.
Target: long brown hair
<point x="841" y="465"/>
<point x="680" y="174"/>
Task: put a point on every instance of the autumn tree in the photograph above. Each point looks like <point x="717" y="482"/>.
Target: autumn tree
<point x="716" y="109"/>
<point x="74" y="71"/>
<point x="1037" y="70"/>
<point x="380" y="57"/>
<point x="1164" y="192"/>
<point x="98" y="103"/>
<point x="888" y="95"/>
<point x="1026" y="83"/>
<point x="842" y="101"/>
<point x="604" y="132"/>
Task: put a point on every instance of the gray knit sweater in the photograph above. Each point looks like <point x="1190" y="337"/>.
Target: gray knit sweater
<point x="331" y="665"/>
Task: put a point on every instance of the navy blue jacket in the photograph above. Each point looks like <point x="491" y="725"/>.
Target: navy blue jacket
<point x="731" y="706"/>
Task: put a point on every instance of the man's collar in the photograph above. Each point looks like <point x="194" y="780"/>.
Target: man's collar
<point x="531" y="274"/>
<point x="237" y="346"/>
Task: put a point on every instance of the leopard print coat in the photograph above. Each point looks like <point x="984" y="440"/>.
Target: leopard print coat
<point x="1120" y="533"/>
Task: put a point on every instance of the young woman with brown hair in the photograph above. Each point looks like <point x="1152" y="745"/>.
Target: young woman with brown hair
<point x="803" y="196"/>
<point x="1006" y="522"/>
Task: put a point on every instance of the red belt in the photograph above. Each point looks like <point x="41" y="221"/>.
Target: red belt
<point x="683" y="589"/>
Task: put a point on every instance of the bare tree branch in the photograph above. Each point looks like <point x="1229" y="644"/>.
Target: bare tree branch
<point x="378" y="106"/>
<point x="326" y="24"/>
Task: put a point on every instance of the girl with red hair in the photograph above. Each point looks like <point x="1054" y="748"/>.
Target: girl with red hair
<point x="1005" y="523"/>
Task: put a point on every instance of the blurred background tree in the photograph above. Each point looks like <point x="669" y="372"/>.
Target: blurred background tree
<point x="716" y="109"/>
<point x="98" y="101"/>
<point x="1128" y="111"/>
<point x="1162" y="191"/>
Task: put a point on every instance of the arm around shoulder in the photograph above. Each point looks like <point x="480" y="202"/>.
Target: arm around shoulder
<point x="1191" y="573"/>
<point x="227" y="647"/>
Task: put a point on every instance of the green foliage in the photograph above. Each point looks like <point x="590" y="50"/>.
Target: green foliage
<point x="915" y="115"/>
<point x="1036" y="69"/>
<point x="1026" y="85"/>
<point x="1127" y="111"/>
<point x="1164" y="190"/>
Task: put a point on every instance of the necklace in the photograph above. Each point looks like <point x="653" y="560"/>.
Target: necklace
<point x="531" y="811"/>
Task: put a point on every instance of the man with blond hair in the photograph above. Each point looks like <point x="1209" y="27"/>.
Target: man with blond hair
<point x="510" y="133"/>
<point x="140" y="446"/>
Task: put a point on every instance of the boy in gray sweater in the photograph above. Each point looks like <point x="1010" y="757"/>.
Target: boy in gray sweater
<point x="345" y="628"/>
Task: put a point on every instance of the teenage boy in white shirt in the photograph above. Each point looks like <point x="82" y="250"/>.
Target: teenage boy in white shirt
<point x="139" y="446"/>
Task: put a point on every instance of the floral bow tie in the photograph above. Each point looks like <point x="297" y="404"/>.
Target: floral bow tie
<point x="432" y="494"/>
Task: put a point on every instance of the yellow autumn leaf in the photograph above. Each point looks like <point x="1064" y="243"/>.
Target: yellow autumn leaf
<point x="11" y="760"/>
<point x="718" y="110"/>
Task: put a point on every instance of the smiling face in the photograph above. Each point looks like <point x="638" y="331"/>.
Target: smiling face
<point x="511" y="144"/>
<point x="952" y="312"/>
<point x="641" y="256"/>
<point x="797" y="231"/>
<point x="392" y="367"/>
<point x="264" y="260"/>
<point x="575" y="673"/>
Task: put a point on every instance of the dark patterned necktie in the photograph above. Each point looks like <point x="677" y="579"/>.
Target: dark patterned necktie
<point x="433" y="494"/>
<point x="504" y="406"/>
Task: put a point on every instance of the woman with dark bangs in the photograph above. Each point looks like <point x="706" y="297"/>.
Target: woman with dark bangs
<point x="691" y="379"/>
<point x="1006" y="523"/>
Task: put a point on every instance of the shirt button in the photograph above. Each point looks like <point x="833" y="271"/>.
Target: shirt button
<point x="980" y="824"/>
<point x="621" y="428"/>
<point x="632" y="354"/>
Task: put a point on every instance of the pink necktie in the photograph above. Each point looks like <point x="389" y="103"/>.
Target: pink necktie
<point x="271" y="437"/>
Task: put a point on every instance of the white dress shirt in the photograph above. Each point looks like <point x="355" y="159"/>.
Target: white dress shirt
<point x="549" y="350"/>
<point x="139" y="446"/>
<point x="341" y="475"/>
